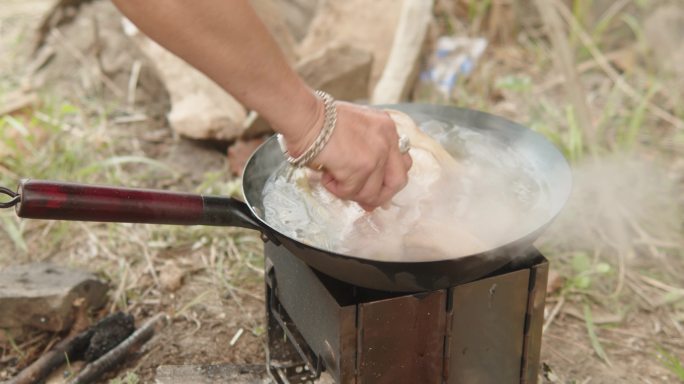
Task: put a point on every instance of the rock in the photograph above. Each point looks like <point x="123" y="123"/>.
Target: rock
<point x="403" y="63"/>
<point x="297" y="15"/>
<point x="339" y="69"/>
<point x="171" y="277"/>
<point x="206" y="374"/>
<point x="270" y="13"/>
<point x="240" y="152"/>
<point x="200" y="109"/>
<point x="367" y="25"/>
<point x="41" y="295"/>
<point x="82" y="52"/>
<point x="663" y="30"/>
<point x="221" y="373"/>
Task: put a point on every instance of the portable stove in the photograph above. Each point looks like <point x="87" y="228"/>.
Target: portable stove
<point x="485" y="331"/>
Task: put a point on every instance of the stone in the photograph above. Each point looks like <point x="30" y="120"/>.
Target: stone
<point x="83" y="52"/>
<point x="171" y="276"/>
<point x="297" y="15"/>
<point x="239" y="152"/>
<point x="42" y="295"/>
<point x="270" y="13"/>
<point x="220" y="373"/>
<point x="200" y="109"/>
<point x="341" y="70"/>
<point x="367" y="25"/>
<point x="209" y="374"/>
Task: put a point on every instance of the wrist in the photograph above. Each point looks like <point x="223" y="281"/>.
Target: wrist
<point x="301" y="123"/>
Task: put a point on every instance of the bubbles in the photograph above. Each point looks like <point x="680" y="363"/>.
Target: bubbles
<point x="493" y="199"/>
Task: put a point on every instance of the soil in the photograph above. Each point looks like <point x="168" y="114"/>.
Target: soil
<point x="217" y="296"/>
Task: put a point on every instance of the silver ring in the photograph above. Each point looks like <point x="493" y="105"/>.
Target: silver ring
<point x="404" y="144"/>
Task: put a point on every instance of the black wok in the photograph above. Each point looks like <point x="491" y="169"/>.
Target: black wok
<point x="64" y="201"/>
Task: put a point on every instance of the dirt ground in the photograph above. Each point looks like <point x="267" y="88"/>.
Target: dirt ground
<point x="612" y="316"/>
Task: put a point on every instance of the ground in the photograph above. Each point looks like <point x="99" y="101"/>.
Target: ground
<point x="615" y="312"/>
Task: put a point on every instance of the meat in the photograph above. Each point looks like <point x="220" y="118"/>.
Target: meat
<point x="419" y="224"/>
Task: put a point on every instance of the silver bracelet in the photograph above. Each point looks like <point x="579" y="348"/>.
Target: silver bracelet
<point x="329" y="123"/>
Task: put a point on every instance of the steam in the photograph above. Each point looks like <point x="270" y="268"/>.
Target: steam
<point x="620" y="203"/>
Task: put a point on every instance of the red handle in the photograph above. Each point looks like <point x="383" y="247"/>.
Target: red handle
<point x="54" y="200"/>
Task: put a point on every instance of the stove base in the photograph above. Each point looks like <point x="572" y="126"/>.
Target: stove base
<point x="486" y="331"/>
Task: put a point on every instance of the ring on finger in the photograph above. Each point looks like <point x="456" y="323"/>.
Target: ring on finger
<point x="404" y="144"/>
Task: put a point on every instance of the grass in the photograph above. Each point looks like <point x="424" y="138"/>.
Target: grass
<point x="671" y="362"/>
<point x="624" y="99"/>
<point x="63" y="139"/>
<point x="129" y="378"/>
<point x="595" y="343"/>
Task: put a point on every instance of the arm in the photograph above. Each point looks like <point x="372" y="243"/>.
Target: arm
<point x="228" y="42"/>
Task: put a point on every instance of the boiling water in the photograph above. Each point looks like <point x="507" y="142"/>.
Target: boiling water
<point x="492" y="200"/>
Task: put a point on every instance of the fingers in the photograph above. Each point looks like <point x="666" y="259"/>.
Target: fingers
<point x="408" y="161"/>
<point x="344" y="188"/>
<point x="362" y="162"/>
<point x="396" y="177"/>
<point x="378" y="188"/>
<point x="368" y="195"/>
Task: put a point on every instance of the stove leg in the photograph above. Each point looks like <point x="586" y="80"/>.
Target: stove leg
<point x="288" y="359"/>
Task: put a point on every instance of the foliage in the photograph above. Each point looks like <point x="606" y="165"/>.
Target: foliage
<point x="129" y="378"/>
<point x="671" y="362"/>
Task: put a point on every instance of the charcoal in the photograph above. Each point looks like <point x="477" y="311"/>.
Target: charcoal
<point x="109" y="333"/>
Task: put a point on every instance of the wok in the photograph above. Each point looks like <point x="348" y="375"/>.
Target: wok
<point x="38" y="199"/>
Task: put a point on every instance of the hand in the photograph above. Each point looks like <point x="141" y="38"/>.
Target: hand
<point x="361" y="162"/>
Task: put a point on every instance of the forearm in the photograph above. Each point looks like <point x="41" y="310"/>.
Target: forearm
<point x="227" y="41"/>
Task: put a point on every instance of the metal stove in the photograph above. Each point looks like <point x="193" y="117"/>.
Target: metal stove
<point x="485" y="331"/>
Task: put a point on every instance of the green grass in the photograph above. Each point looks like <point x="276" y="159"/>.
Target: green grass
<point x="671" y="362"/>
<point x="129" y="378"/>
<point x="591" y="331"/>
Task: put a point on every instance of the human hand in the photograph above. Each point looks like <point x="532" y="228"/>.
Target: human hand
<point x="361" y="162"/>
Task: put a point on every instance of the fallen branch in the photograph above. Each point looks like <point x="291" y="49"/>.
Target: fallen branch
<point x="118" y="353"/>
<point x="50" y="361"/>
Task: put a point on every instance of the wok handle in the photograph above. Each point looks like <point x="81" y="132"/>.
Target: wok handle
<point x="53" y="200"/>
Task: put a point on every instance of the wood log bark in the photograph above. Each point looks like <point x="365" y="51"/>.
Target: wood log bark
<point x="403" y="64"/>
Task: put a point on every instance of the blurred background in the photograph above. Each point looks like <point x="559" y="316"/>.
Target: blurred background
<point x="85" y="97"/>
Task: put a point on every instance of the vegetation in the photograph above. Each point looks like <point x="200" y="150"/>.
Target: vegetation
<point x="616" y="302"/>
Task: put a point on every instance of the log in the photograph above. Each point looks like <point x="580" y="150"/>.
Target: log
<point x="403" y="64"/>
<point x="92" y="342"/>
<point x="53" y="359"/>
<point x="42" y="295"/>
